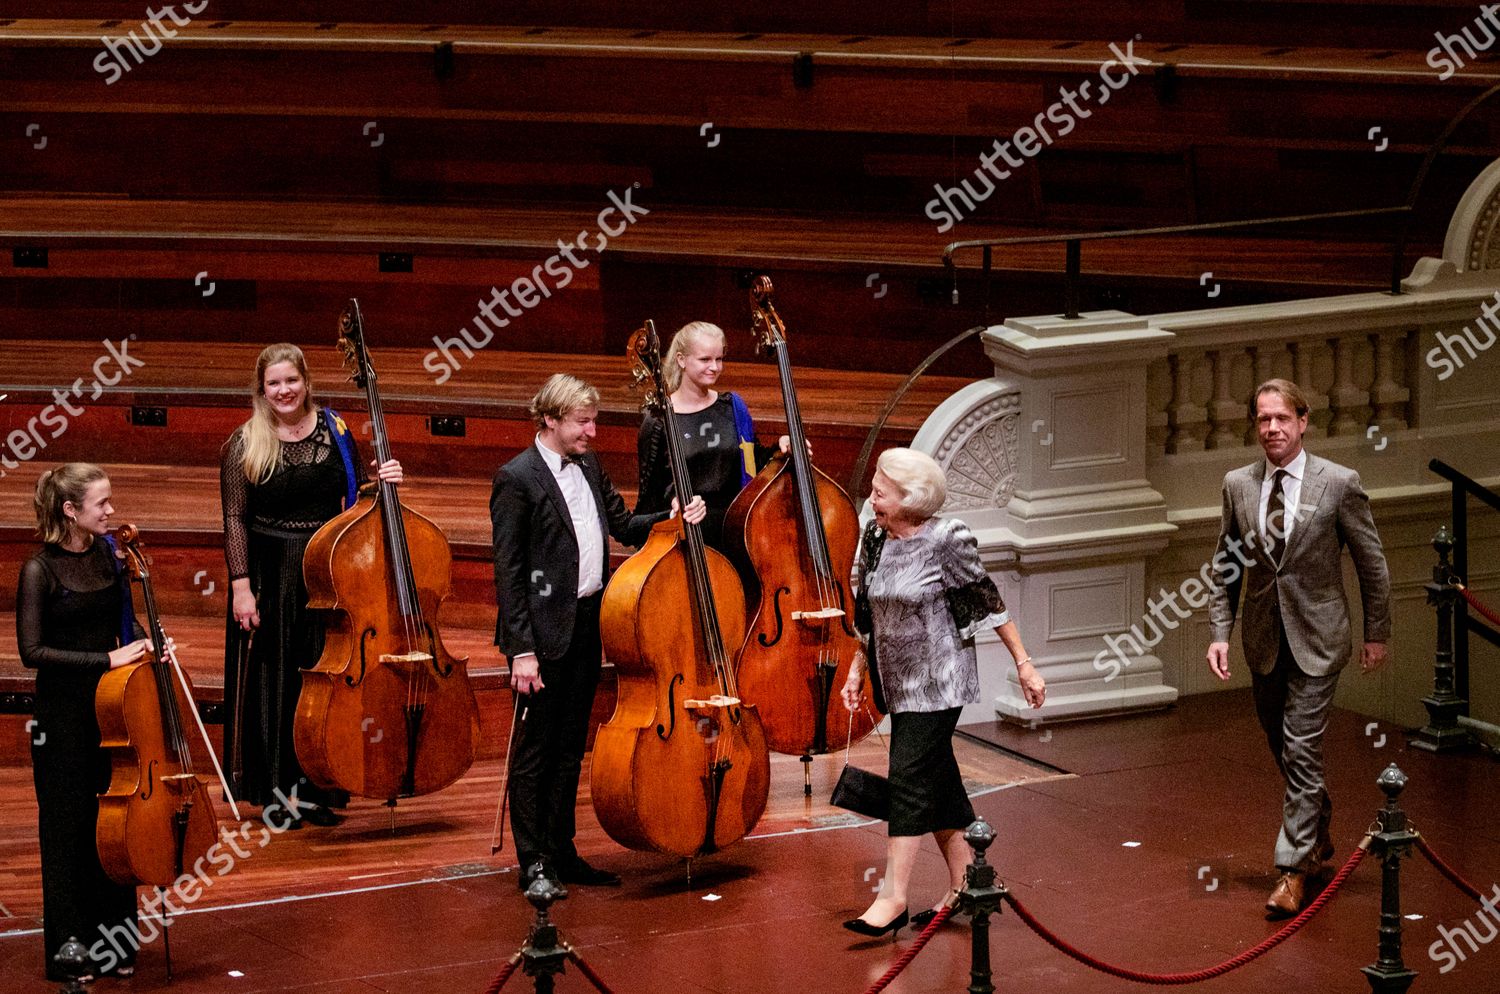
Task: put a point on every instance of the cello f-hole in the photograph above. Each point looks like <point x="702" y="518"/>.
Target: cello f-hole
<point x="847" y="622"/>
<point x="364" y="637"/>
<point x="437" y="663"/>
<point x="665" y="732"/>
<point x="776" y="609"/>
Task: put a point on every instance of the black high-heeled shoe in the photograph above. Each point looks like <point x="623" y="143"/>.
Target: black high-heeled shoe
<point x="862" y="927"/>
<point x="317" y="814"/>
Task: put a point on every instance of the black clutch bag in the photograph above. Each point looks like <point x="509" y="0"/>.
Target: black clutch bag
<point x="863" y="792"/>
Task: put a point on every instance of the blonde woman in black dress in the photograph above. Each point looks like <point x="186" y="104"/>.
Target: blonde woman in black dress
<point x="284" y="473"/>
<point x="929" y="595"/>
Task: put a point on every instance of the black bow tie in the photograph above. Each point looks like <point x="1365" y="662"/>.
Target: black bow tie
<point x="575" y="460"/>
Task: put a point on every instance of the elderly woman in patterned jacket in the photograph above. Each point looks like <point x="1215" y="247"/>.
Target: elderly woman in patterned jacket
<point x="928" y="595"/>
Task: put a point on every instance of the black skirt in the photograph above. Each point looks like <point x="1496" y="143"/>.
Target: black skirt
<point x="79" y="900"/>
<point x="288" y="641"/>
<point x="927" y="792"/>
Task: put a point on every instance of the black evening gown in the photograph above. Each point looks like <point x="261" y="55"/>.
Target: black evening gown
<point x="266" y="530"/>
<point x="67" y="621"/>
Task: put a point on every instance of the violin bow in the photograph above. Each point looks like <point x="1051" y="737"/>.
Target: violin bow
<point x="497" y="839"/>
<point x="235" y="732"/>
<point x="213" y="755"/>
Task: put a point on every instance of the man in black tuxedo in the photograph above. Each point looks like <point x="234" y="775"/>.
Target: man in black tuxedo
<point x="552" y="510"/>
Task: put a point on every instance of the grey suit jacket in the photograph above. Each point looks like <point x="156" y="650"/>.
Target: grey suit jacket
<point x="1305" y="595"/>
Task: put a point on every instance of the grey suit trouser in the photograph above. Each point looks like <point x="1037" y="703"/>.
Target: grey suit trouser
<point x="1293" y="709"/>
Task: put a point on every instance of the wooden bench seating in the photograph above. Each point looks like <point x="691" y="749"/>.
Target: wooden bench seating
<point x="884" y="119"/>
<point x="278" y="269"/>
<point x="1379" y="23"/>
<point x="203" y="390"/>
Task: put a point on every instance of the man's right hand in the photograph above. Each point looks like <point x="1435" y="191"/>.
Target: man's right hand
<point x="525" y="674"/>
<point x="1218" y="659"/>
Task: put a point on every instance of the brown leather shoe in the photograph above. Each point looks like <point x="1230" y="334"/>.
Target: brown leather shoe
<point x="1286" y="898"/>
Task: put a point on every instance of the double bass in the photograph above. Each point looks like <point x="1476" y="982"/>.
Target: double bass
<point x="682" y="766"/>
<point x="157" y="817"/>
<point x="387" y="712"/>
<point x="799" y="532"/>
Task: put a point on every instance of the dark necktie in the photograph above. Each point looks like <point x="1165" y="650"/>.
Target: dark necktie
<point x="575" y="460"/>
<point x="1276" y="518"/>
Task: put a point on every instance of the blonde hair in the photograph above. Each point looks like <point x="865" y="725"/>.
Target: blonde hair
<point x="559" y="395"/>
<point x="1286" y="390"/>
<point x="261" y="449"/>
<point x="683" y="341"/>
<point x="919" y="478"/>
<point x="68" y="482"/>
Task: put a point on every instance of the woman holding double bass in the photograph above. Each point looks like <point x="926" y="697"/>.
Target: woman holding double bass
<point x="74" y="623"/>
<point x="291" y="467"/>
<point x="715" y="432"/>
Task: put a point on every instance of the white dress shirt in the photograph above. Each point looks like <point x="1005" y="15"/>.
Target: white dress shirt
<point x="584" y="511"/>
<point x="1291" y="493"/>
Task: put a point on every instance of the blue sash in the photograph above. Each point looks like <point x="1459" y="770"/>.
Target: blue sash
<point x="744" y="427"/>
<point x="344" y="442"/>
<point x="127" y="609"/>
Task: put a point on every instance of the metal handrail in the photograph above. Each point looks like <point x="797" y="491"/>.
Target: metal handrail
<point x="1074" y="240"/>
<point x="1464" y="487"/>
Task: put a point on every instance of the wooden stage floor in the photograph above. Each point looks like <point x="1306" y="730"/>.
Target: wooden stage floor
<point x="1110" y="855"/>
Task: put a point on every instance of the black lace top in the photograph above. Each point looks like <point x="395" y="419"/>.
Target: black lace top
<point x="302" y="494"/>
<point x="68" y="608"/>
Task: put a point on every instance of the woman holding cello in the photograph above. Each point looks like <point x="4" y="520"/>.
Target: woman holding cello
<point x="74" y="623"/>
<point x="718" y="433"/>
<point x="286" y="471"/>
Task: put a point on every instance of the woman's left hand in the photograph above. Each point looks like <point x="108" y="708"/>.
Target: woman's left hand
<point x="1032" y="684"/>
<point x="389" y="471"/>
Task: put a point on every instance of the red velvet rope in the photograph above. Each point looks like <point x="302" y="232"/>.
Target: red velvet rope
<point x="503" y="975"/>
<point x="916" y="947"/>
<point x="1474" y="603"/>
<point x="1447" y="870"/>
<point x="1197" y="975"/>
<point x="588" y="972"/>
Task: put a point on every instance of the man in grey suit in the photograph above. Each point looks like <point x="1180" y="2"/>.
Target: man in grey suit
<point x="1293" y="512"/>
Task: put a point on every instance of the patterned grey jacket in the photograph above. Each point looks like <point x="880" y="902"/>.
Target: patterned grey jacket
<point x="928" y="596"/>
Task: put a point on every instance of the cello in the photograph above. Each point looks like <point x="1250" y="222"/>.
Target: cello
<point x="681" y="767"/>
<point x="799" y="532"/>
<point x="157" y="816"/>
<point x="387" y="712"/>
